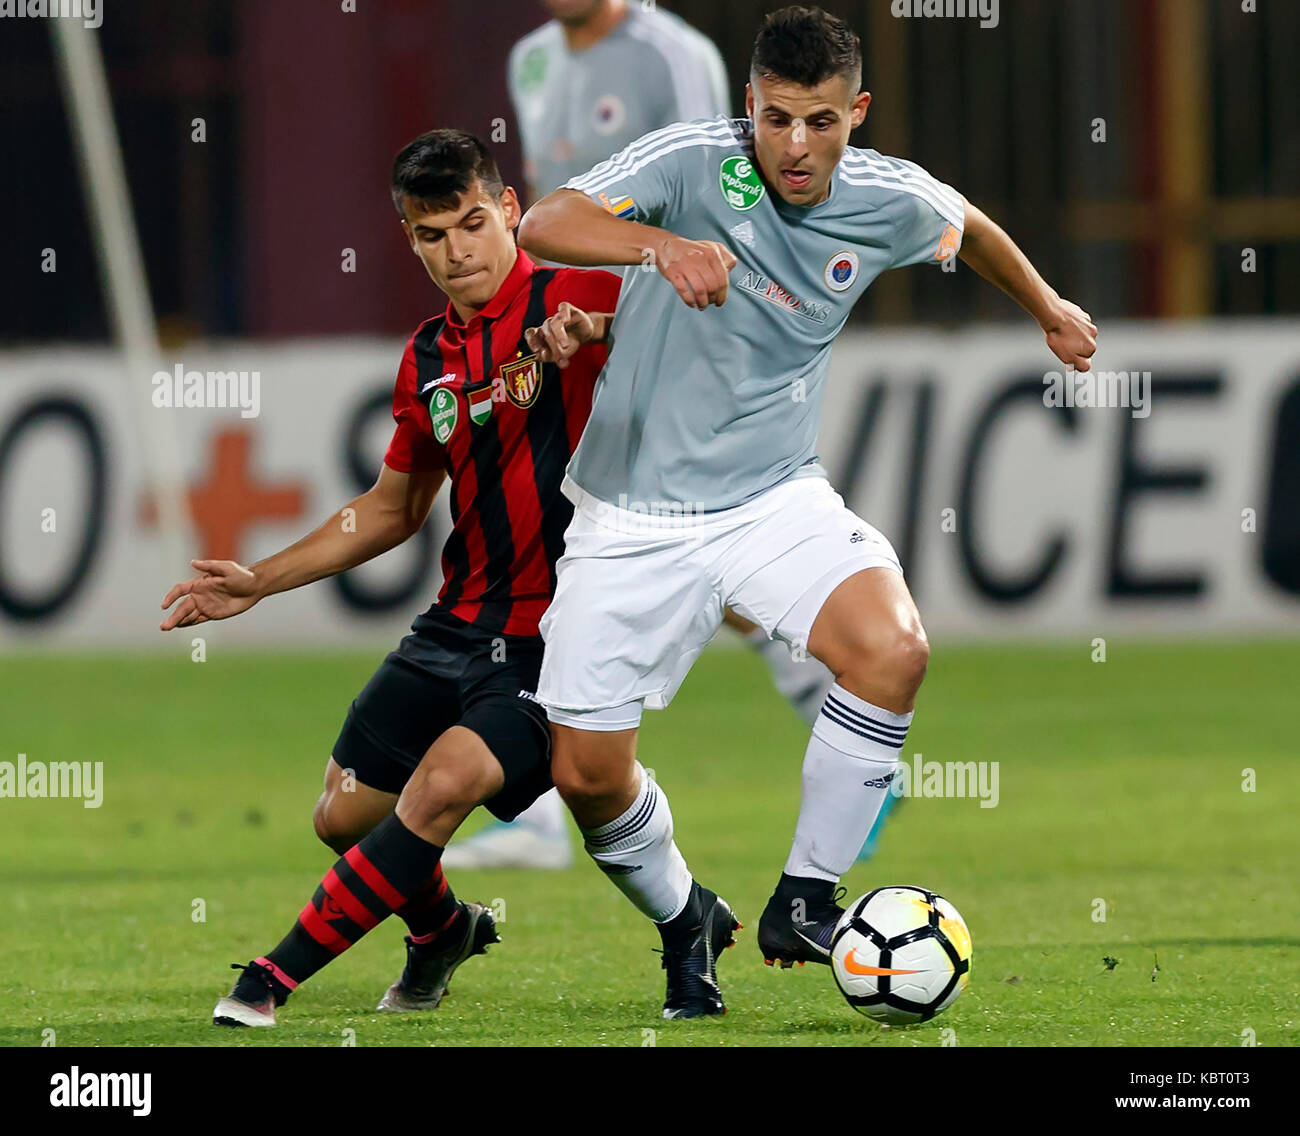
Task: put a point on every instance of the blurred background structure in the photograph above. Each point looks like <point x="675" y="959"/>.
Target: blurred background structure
<point x="1144" y="153"/>
<point x="304" y="106"/>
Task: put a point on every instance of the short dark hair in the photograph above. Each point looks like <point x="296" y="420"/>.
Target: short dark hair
<point x="806" y="46"/>
<point x="439" y="166"/>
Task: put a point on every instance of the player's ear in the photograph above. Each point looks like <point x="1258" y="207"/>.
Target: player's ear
<point x="860" y="105"/>
<point x="410" y="236"/>
<point x="511" y="208"/>
<point x="749" y="100"/>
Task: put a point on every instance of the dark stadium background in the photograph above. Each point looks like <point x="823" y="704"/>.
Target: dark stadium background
<point x="305" y="107"/>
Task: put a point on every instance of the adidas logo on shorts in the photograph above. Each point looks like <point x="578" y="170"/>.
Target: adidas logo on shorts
<point x="858" y="537"/>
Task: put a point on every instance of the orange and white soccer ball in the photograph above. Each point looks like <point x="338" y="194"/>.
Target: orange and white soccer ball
<point x="901" y="955"/>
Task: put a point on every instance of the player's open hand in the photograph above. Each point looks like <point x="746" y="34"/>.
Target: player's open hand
<point x="1071" y="335"/>
<point x="697" y="270"/>
<point x="559" y="337"/>
<point x="224" y="589"/>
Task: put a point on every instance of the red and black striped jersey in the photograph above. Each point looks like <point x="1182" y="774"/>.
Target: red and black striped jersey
<point x="473" y="399"/>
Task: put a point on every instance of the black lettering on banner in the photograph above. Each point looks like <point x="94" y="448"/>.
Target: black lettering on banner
<point x="355" y="593"/>
<point x="873" y="401"/>
<point x="66" y="410"/>
<point x="1005" y="589"/>
<point x="1281" y="520"/>
<point x="914" y="488"/>
<point x="869" y="411"/>
<point x="1136" y="478"/>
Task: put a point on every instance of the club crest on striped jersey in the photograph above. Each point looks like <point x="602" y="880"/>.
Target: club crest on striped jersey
<point x="480" y="404"/>
<point x="841" y="270"/>
<point x="523" y="379"/>
<point x="444" y="412"/>
<point x="741" y="186"/>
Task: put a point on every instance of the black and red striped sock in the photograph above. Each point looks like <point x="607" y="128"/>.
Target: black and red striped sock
<point x="367" y="884"/>
<point x="432" y="911"/>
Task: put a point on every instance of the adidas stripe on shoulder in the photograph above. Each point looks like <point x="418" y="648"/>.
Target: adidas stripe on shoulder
<point x="870" y="168"/>
<point x="653" y="147"/>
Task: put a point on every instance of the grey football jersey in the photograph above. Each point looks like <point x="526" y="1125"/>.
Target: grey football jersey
<point x="576" y="108"/>
<point x="705" y="410"/>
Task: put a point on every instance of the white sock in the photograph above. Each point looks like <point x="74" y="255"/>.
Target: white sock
<point x="802" y="683"/>
<point x="637" y="852"/>
<point x="851" y="759"/>
<point x="545" y="815"/>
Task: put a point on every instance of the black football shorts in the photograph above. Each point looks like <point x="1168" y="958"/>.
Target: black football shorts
<point x="450" y="673"/>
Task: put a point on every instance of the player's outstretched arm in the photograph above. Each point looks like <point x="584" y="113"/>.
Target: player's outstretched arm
<point x="1069" y="330"/>
<point x="392" y="510"/>
<point x="568" y="227"/>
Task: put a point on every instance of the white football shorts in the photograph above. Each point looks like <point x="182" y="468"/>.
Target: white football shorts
<point x="640" y="594"/>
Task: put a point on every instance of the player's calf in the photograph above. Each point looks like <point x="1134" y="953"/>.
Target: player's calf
<point x="395" y="869"/>
<point x="627" y="830"/>
<point x="870" y="636"/>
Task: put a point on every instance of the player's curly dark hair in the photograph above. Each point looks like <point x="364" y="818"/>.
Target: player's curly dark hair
<point x="440" y="165"/>
<point x="806" y="46"/>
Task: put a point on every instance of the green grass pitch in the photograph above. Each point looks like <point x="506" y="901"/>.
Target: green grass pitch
<point x="1120" y="781"/>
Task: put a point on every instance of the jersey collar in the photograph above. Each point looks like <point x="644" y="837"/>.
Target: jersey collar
<point x="516" y="278"/>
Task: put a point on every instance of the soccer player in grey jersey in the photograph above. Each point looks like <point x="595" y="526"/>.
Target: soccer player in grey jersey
<point x="695" y="483"/>
<point x="584" y="85"/>
<point x="600" y="75"/>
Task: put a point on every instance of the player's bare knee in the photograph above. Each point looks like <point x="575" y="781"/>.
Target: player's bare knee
<point x="891" y="666"/>
<point x="910" y="657"/>
<point x="585" y="788"/>
<point x="333" y="825"/>
<point x="445" y="792"/>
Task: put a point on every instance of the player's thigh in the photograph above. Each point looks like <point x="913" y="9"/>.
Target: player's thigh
<point x="457" y="774"/>
<point x="634" y="606"/>
<point x="348" y="809"/>
<point x="869" y="619"/>
<point x="790" y="559"/>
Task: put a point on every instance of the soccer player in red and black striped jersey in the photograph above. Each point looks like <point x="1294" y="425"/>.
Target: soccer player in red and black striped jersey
<point x="449" y="721"/>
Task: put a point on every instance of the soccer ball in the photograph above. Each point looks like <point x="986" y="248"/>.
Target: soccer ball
<point x="901" y="955"/>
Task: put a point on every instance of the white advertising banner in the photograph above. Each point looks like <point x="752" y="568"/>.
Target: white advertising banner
<point x="1161" y="496"/>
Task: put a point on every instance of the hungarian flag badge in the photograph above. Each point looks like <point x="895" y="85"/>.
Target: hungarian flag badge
<point x="480" y="405"/>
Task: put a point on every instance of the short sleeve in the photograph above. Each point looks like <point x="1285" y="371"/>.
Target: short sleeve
<point x="928" y="216"/>
<point x="644" y="181"/>
<point x="412" y="447"/>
